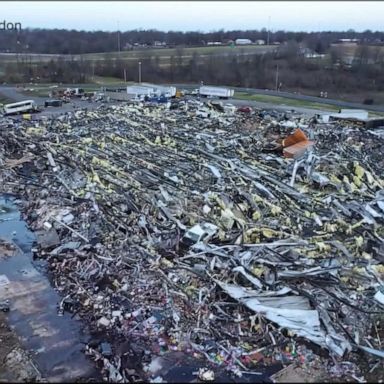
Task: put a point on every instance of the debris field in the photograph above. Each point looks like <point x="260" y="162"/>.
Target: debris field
<point x="168" y="232"/>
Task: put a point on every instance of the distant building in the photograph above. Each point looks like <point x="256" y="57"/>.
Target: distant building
<point x="214" y="43"/>
<point x="260" y="42"/>
<point x="243" y="41"/>
<point x="348" y="41"/>
<point x="159" y="43"/>
<point x="313" y="55"/>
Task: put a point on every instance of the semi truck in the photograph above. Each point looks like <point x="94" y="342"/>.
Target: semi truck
<point x="156" y="90"/>
<point x="221" y="93"/>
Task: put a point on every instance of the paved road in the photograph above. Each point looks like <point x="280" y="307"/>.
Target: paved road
<point x="15" y="94"/>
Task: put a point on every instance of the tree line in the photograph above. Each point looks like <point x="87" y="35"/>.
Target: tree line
<point x="60" y="41"/>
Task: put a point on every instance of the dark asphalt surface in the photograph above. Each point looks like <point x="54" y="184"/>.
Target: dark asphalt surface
<point x="17" y="95"/>
<point x="14" y="93"/>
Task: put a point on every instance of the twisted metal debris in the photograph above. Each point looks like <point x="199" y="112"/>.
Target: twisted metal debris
<point x="298" y="253"/>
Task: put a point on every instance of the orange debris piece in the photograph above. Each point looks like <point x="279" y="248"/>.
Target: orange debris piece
<point x="296" y="150"/>
<point x="296" y="137"/>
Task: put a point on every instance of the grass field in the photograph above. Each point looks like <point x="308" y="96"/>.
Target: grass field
<point x="186" y="52"/>
<point x="285" y="101"/>
<point x="294" y="103"/>
<point x="105" y="80"/>
<point x="164" y="53"/>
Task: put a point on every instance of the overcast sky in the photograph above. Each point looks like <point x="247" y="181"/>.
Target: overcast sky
<point x="196" y="15"/>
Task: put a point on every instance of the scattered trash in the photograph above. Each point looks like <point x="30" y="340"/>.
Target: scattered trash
<point x="199" y="232"/>
<point x="379" y="296"/>
<point x="4" y="280"/>
<point x="4" y="306"/>
<point x="205" y="374"/>
<point x="185" y="230"/>
<point x="47" y="239"/>
<point x="106" y="349"/>
<point x="157" y="379"/>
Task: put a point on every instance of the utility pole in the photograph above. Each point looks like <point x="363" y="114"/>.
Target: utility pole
<point x="140" y="72"/>
<point x="118" y="38"/>
<point x="125" y="75"/>
<point x="277" y="77"/>
<point x="269" y="25"/>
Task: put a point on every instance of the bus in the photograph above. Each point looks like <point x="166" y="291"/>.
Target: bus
<point x="20" y="107"/>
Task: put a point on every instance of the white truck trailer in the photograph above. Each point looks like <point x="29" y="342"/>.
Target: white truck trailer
<point x="140" y="90"/>
<point x="160" y="90"/>
<point x="221" y="93"/>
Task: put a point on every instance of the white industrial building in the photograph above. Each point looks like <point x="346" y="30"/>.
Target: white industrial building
<point x="159" y="43"/>
<point x="243" y="41"/>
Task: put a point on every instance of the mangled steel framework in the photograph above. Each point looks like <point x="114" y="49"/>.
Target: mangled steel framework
<point x="300" y="241"/>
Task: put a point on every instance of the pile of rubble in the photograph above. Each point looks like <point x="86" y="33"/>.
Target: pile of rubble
<point x="166" y="231"/>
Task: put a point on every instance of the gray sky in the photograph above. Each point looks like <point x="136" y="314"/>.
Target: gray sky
<point x="196" y="15"/>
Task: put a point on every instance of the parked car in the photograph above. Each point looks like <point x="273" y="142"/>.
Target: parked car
<point x="244" y="109"/>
